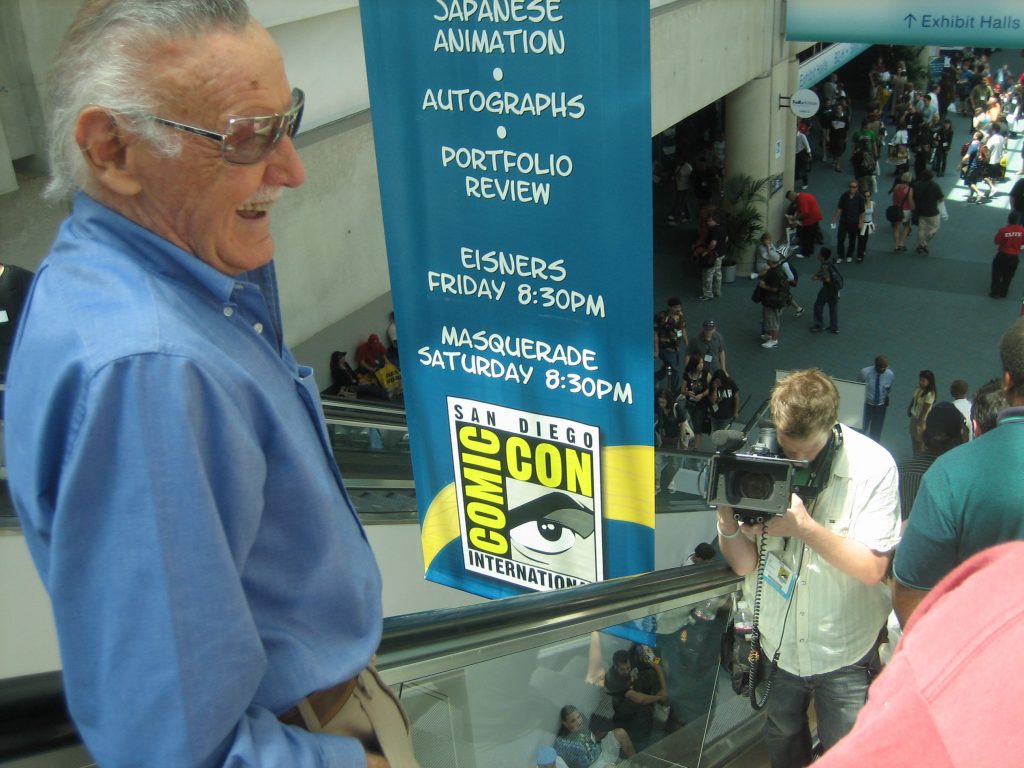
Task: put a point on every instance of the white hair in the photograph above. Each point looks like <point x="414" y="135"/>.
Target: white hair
<point x="102" y="62"/>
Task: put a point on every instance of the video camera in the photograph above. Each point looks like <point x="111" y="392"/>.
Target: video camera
<point x="759" y="481"/>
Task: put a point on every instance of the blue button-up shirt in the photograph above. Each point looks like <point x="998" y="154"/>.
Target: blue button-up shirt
<point x="877" y="386"/>
<point x="170" y="465"/>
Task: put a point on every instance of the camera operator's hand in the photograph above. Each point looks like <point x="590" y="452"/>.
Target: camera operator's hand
<point x="730" y="527"/>
<point x="793" y="523"/>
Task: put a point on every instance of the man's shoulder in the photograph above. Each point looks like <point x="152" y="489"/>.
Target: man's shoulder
<point x="969" y="464"/>
<point x="861" y="448"/>
<point x="134" y="301"/>
<point x="93" y="304"/>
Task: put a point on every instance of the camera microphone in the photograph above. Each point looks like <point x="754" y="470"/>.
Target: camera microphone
<point x="728" y="440"/>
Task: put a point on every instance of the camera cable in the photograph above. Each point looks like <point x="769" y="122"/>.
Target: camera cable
<point x="754" y="656"/>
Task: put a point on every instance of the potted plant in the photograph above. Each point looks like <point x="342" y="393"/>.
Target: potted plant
<point x="742" y="209"/>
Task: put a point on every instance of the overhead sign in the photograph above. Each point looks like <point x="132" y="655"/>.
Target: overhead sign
<point x="824" y="63"/>
<point x="998" y="24"/>
<point x="513" y="151"/>
<point x="804" y="103"/>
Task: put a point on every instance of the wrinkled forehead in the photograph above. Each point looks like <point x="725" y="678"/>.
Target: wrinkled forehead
<point x="221" y="73"/>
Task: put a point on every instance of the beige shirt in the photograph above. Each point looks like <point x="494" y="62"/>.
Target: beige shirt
<point x="834" y="619"/>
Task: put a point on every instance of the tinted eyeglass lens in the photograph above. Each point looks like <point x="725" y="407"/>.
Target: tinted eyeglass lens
<point x="250" y="139"/>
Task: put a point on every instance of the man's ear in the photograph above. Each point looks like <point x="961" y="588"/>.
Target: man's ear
<point x="1008" y="386"/>
<point x="105" y="148"/>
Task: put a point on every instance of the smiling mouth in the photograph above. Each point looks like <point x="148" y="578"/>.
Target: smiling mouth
<point x="255" y="210"/>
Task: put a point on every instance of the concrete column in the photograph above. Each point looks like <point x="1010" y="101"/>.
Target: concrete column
<point x="8" y="181"/>
<point x="759" y="140"/>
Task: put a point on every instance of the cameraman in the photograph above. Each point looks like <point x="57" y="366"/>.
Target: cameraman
<point x="823" y="604"/>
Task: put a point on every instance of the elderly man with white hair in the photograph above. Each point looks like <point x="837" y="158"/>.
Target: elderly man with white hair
<point x="216" y="600"/>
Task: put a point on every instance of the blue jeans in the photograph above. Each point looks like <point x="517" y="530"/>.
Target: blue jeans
<point x="838" y="697"/>
<point x="826" y="296"/>
<point x="670" y="357"/>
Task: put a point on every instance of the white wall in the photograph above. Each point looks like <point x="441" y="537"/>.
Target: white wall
<point x="28" y="638"/>
<point x="330" y="236"/>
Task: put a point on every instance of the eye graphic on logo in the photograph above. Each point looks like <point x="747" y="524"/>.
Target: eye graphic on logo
<point x="544" y="536"/>
<point x="550" y="525"/>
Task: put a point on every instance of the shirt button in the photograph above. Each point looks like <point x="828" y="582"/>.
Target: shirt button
<point x="228" y="311"/>
<point x="258" y="327"/>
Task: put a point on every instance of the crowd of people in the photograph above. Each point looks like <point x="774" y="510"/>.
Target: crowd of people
<point x="908" y="132"/>
<point x="694" y="393"/>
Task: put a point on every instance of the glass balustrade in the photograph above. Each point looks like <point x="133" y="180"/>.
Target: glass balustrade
<point x="669" y="701"/>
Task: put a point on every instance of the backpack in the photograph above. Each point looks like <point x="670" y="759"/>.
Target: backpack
<point x="868" y="162"/>
<point x="836" y="276"/>
<point x="781" y="298"/>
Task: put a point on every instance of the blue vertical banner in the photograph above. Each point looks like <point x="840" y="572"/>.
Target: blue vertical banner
<point x="513" y="149"/>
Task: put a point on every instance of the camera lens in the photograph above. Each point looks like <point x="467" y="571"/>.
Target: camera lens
<point x="754" y="485"/>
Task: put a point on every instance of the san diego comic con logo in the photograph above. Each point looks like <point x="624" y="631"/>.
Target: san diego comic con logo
<point x="528" y="488"/>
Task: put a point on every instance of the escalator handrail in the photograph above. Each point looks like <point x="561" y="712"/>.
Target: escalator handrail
<point x="388" y="411"/>
<point x="419" y="644"/>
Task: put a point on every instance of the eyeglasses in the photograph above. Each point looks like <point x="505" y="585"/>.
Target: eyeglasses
<point x="248" y="140"/>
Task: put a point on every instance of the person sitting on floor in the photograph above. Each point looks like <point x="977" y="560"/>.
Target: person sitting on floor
<point x="371" y="355"/>
<point x="580" y="747"/>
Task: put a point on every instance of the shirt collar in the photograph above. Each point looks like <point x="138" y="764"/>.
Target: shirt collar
<point x="1010" y="415"/>
<point x="841" y="462"/>
<point x="158" y="255"/>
